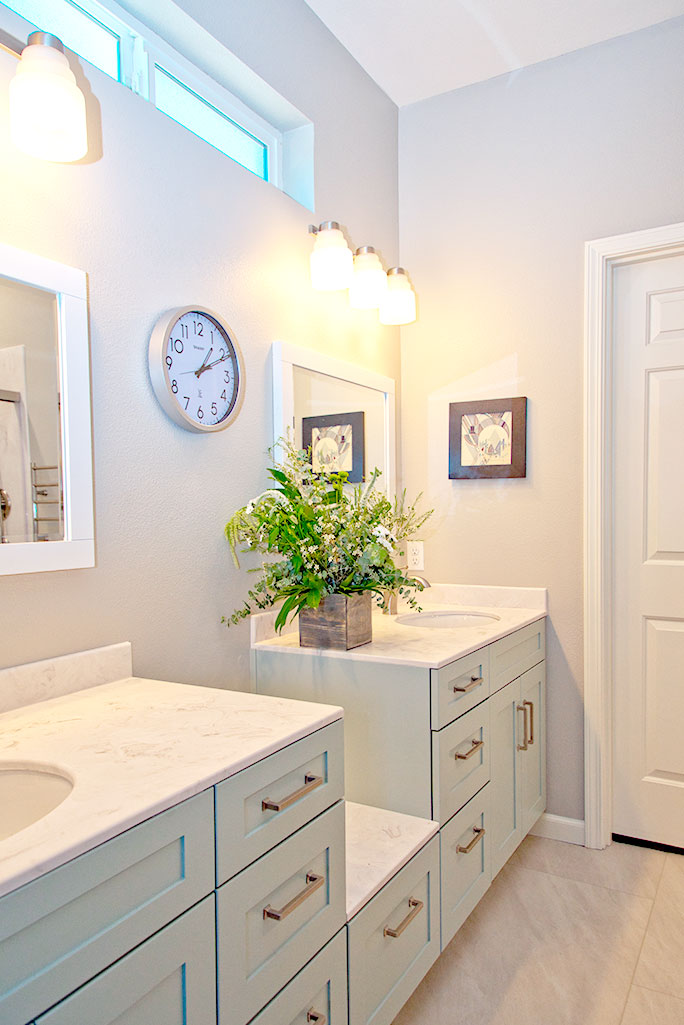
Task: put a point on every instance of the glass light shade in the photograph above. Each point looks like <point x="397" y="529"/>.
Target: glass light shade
<point x="369" y="282"/>
<point x="47" y="109"/>
<point x="332" y="263"/>
<point x="399" y="303"/>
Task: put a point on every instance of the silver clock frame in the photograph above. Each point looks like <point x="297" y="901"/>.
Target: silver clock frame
<point x="159" y="377"/>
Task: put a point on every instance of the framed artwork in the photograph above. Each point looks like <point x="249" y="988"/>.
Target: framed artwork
<point x="488" y="438"/>
<point x="337" y="443"/>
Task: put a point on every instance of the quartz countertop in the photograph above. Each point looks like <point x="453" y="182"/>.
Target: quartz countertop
<point x="429" y="647"/>
<point x="378" y="844"/>
<point x="134" y="748"/>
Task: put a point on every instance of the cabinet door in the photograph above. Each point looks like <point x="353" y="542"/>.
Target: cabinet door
<point x="533" y="759"/>
<point x="506" y="825"/>
<point x="168" y="980"/>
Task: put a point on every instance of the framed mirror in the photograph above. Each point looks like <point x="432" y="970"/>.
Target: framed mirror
<point x="345" y="412"/>
<point x="46" y="492"/>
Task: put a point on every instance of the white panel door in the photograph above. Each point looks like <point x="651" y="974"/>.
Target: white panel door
<point x="648" y="597"/>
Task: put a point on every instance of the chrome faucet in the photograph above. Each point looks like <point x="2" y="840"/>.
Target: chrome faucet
<point x="421" y="580"/>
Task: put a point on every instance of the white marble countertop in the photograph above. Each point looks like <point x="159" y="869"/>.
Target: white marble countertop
<point x="398" y="643"/>
<point x="133" y="748"/>
<point x="378" y="844"/>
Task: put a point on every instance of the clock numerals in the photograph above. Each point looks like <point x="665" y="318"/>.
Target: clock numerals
<point x="174" y="387"/>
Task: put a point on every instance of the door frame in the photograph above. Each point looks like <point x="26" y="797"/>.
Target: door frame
<point x="601" y="257"/>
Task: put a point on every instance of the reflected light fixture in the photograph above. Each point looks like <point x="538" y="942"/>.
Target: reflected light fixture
<point x="398" y="305"/>
<point x="369" y="282"/>
<point x="332" y="264"/>
<point x="47" y="109"/>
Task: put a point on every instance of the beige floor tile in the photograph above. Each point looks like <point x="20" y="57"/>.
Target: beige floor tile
<point x="619" y="867"/>
<point x="646" y="1007"/>
<point x="661" y="965"/>
<point x="538" y="950"/>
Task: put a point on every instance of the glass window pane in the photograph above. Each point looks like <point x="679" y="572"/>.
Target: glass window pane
<point x="77" y="29"/>
<point x="190" y="110"/>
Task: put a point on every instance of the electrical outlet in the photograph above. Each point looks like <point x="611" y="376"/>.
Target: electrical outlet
<point x="414" y="555"/>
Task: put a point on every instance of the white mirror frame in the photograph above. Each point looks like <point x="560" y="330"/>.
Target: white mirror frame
<point x="285" y="357"/>
<point x="77" y="550"/>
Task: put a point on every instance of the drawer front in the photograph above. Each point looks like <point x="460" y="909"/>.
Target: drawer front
<point x="460" y="762"/>
<point x="168" y="980"/>
<point x="62" y="929"/>
<point x="512" y="656"/>
<point x="317" y="995"/>
<point x="458" y="687"/>
<point x="384" y="969"/>
<point x="264" y="804"/>
<point x="465" y="863"/>
<point x="275" y="915"/>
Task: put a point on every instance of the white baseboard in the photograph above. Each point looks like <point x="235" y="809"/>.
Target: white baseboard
<point x="558" y="827"/>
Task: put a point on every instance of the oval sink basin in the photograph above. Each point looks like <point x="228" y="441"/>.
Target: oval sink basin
<point x="446" y="619"/>
<point x="29" y="793"/>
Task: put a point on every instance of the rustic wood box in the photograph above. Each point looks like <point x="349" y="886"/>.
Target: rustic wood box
<point x="340" y="621"/>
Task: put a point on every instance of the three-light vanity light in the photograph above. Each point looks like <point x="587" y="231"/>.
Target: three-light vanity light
<point x="334" y="268"/>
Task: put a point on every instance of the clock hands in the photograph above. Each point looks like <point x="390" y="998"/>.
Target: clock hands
<point x="216" y="361"/>
<point x="204" y="363"/>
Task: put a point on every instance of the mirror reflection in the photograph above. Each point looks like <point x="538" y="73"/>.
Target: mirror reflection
<point x="31" y="502"/>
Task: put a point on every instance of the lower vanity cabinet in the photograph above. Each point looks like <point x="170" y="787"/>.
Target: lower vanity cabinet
<point x="168" y="980"/>
<point x="466" y="868"/>
<point x="317" y="995"/>
<point x="394" y="940"/>
<point x="518" y="762"/>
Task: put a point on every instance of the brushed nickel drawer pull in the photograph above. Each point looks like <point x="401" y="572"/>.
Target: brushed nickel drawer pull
<point x="530" y="705"/>
<point x="416" y="908"/>
<point x="316" y="1017"/>
<point x="475" y="681"/>
<point x="523" y="708"/>
<point x="476" y="745"/>
<point x="479" y="832"/>
<point x="310" y="783"/>
<point x="313" y="883"/>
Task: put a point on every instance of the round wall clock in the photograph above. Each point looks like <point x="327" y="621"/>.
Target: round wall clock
<point x="195" y="369"/>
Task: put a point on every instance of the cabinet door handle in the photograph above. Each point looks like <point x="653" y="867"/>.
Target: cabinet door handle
<point x="479" y="832"/>
<point x="416" y="908"/>
<point x="530" y="705"/>
<point x="476" y="745"/>
<point x="310" y="783"/>
<point x="316" y="1017"/>
<point x="475" y="681"/>
<point x="523" y="708"/>
<point x="313" y="883"/>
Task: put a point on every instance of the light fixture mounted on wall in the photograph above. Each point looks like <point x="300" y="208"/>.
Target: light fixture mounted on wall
<point x="47" y="108"/>
<point x="399" y="302"/>
<point x="369" y="282"/>
<point x="332" y="263"/>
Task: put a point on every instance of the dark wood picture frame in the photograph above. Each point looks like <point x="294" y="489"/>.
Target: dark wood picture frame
<point x="518" y="464"/>
<point x="357" y="474"/>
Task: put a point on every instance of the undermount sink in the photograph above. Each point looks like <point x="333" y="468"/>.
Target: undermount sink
<point x="446" y="619"/>
<point x="28" y="792"/>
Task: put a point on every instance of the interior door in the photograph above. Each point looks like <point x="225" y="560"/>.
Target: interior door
<point x="648" y="523"/>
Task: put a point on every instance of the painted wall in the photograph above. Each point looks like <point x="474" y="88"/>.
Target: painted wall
<point x="500" y="186"/>
<point x="159" y="219"/>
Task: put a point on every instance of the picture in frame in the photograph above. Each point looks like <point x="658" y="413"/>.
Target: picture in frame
<point x="337" y="443"/>
<point x="488" y="438"/>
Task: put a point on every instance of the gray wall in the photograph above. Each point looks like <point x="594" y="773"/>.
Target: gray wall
<point x="500" y="186"/>
<point x="160" y="219"/>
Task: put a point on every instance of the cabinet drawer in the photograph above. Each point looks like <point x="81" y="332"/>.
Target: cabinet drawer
<point x="385" y="969"/>
<point x="317" y="995"/>
<point x="62" y="929"/>
<point x="465" y="862"/>
<point x="257" y="952"/>
<point x="511" y="656"/>
<point x="460" y="762"/>
<point x="458" y="687"/>
<point x="295" y="784"/>
<point x="168" y="980"/>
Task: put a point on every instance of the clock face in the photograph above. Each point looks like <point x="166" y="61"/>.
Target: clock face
<point x="199" y="380"/>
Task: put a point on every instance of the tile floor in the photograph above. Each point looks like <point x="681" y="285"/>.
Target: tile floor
<point x="566" y="936"/>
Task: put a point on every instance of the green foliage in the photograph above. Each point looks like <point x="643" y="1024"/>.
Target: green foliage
<point x="321" y="536"/>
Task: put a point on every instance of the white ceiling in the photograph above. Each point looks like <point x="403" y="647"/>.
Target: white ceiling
<point x="419" y="48"/>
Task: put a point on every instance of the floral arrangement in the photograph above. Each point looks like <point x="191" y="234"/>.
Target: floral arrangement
<point x="325" y="537"/>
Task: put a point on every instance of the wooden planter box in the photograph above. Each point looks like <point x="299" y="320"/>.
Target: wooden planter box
<point x="340" y="621"/>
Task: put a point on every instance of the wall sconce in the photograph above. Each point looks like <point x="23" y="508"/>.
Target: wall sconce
<point x="369" y="282"/>
<point x="399" y="302"/>
<point x="47" y="109"/>
<point x="332" y="263"/>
